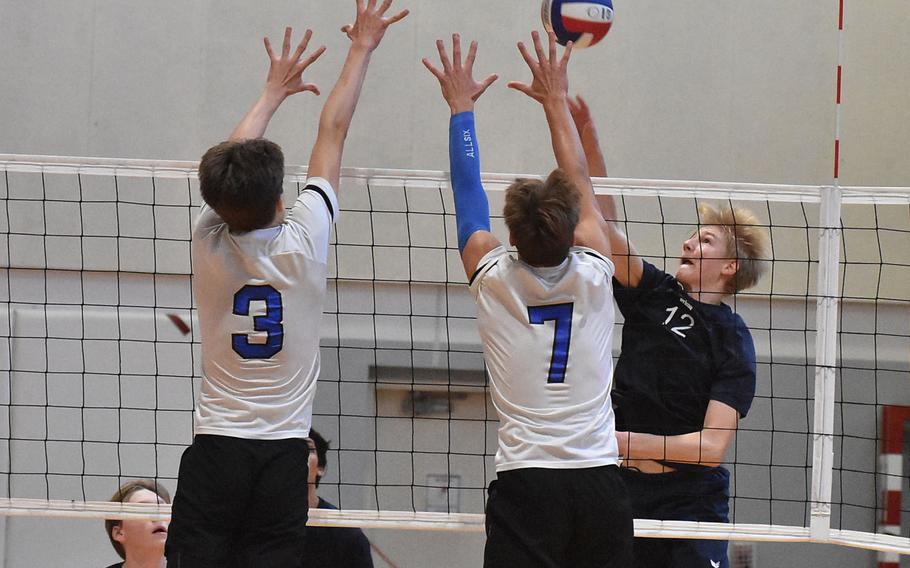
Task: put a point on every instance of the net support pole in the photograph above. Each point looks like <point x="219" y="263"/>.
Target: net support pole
<point x="826" y="320"/>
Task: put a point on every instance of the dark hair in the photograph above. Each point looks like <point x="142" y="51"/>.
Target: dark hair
<point x="122" y="495"/>
<point x="322" y="451"/>
<point x="242" y="181"/>
<point x="541" y="216"/>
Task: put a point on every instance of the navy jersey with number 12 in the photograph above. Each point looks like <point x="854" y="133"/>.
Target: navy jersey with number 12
<point x="678" y="354"/>
<point x="547" y="335"/>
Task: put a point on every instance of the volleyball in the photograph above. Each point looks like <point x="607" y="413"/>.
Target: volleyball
<point x="582" y="22"/>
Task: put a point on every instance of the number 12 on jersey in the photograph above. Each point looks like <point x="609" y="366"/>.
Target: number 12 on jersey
<point x="561" y="315"/>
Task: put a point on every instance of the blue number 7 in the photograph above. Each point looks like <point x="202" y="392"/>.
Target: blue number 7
<point x="562" y="334"/>
<point x="269" y="323"/>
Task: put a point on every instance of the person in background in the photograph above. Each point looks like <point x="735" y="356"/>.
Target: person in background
<point x="140" y="543"/>
<point x="338" y="547"/>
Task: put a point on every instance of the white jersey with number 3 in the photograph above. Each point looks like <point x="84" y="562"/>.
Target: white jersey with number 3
<point x="548" y="335"/>
<point x="260" y="297"/>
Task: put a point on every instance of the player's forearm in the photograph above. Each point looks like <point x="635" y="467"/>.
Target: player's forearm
<point x="607" y="205"/>
<point x="570" y="156"/>
<point x="338" y="111"/>
<point x="472" y="210"/>
<point x="254" y="124"/>
<point x="566" y="144"/>
<point x="597" y="166"/>
<point x="704" y="447"/>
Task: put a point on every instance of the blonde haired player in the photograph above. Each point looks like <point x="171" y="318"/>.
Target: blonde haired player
<point x="546" y="320"/>
<point x="686" y="373"/>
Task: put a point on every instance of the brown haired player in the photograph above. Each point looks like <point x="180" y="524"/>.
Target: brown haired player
<point x="259" y="282"/>
<point x="546" y="319"/>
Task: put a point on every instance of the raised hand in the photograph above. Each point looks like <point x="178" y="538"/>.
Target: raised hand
<point x="370" y="26"/>
<point x="459" y="88"/>
<point x="285" y="78"/>
<point x="549" y="71"/>
<point x="286" y="71"/>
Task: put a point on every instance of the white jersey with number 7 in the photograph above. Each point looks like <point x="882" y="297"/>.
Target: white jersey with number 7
<point x="547" y="337"/>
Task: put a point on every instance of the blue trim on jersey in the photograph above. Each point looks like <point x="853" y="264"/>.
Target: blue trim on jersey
<point x="472" y="211"/>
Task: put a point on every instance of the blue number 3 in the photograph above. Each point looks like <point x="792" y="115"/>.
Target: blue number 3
<point x="562" y="335"/>
<point x="269" y="323"/>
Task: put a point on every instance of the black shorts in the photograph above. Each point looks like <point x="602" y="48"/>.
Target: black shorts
<point x="558" y="517"/>
<point x="239" y="503"/>
<point x="688" y="495"/>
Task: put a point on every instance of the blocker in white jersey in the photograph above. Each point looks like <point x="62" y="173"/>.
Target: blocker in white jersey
<point x="547" y="334"/>
<point x="546" y="319"/>
<point x="260" y="296"/>
<point x="259" y="282"/>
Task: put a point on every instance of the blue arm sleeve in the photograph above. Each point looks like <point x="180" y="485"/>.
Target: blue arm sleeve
<point x="472" y="211"/>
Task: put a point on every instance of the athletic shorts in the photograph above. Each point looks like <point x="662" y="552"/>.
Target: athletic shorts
<point x="239" y="503"/>
<point x="680" y="496"/>
<point x="558" y="517"/>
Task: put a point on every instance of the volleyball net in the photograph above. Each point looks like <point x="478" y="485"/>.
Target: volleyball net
<point x="99" y="348"/>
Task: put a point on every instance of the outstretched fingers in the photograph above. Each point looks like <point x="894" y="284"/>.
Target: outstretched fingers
<point x="443" y="56"/>
<point x="309" y="59"/>
<point x="472" y="55"/>
<point x="522" y="87"/>
<point x="455" y="75"/>
<point x="286" y="46"/>
<point x="567" y="52"/>
<point x="456" y="51"/>
<point x="285" y="70"/>
<point x="532" y="64"/>
<point x="433" y="69"/>
<point x="386" y="4"/>
<point x="397" y="17"/>
<point x="551" y="40"/>
<point x="310" y="87"/>
<point x="485" y="84"/>
<point x="527" y="56"/>
<point x="538" y="47"/>
<point x="301" y="47"/>
<point x="370" y="25"/>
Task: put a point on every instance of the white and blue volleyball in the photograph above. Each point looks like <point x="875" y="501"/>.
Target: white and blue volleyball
<point x="584" y="23"/>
